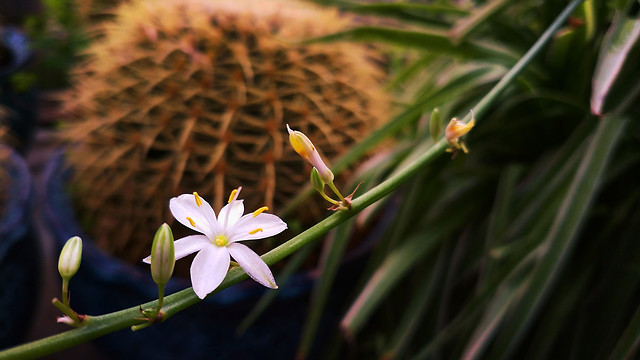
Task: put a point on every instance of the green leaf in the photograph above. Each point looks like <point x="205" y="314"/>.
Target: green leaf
<point x="408" y="72"/>
<point x="415" y="311"/>
<point x="434" y="40"/>
<point x="331" y="259"/>
<point x="550" y="176"/>
<point x="617" y="71"/>
<point x="385" y="9"/>
<point x="463" y="27"/>
<point x="626" y="347"/>
<point x="489" y="324"/>
<point x="558" y="314"/>
<point x="424" y="13"/>
<point x="498" y="219"/>
<point x="269" y="297"/>
<point x="395" y="266"/>
<point x="559" y="241"/>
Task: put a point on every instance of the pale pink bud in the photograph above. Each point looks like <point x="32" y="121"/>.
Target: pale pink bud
<point x="303" y="146"/>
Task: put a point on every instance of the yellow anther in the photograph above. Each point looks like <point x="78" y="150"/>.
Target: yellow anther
<point x="233" y="194"/>
<point x="260" y="211"/>
<point x="198" y="200"/>
<point x="255" y="231"/>
<point x="193" y="223"/>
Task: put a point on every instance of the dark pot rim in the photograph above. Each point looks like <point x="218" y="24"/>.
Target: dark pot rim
<point x="14" y="220"/>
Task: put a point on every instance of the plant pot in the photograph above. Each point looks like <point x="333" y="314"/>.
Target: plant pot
<point x="19" y="253"/>
<point x="106" y="284"/>
<point x="18" y="103"/>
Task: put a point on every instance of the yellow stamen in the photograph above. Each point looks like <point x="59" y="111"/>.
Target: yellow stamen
<point x="255" y="231"/>
<point x="260" y="211"/>
<point x="193" y="223"/>
<point x="233" y="193"/>
<point x="198" y="200"/>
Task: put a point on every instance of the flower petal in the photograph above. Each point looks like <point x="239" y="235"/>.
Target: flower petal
<point x="186" y="246"/>
<point x="252" y="264"/>
<point x="190" y="244"/>
<point x="208" y="269"/>
<point x="184" y="207"/>
<point x="258" y="227"/>
<point x="230" y="214"/>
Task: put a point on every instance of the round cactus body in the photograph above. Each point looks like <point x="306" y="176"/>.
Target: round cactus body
<point x="181" y="96"/>
<point x="95" y="11"/>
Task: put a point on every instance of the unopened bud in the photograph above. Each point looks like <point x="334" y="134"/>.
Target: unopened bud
<point x="163" y="257"/>
<point x="303" y="146"/>
<point x="316" y="180"/>
<point x="457" y="128"/>
<point x="435" y="124"/>
<point x="70" y="257"/>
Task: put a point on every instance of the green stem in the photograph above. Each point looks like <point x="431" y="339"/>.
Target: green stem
<point x="336" y="191"/>
<point x="151" y="315"/>
<point x="324" y="196"/>
<point x="104" y="324"/>
<point x="65" y="309"/>
<point x="160" y="298"/>
<point x="65" y="291"/>
<point x="141" y="326"/>
<point x="510" y="76"/>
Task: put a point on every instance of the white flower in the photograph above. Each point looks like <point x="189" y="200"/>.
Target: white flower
<point x="457" y="129"/>
<point x="220" y="240"/>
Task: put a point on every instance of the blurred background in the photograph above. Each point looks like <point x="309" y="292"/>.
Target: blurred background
<point x="527" y="247"/>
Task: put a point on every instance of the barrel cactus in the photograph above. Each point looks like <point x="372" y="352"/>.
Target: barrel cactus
<point x="95" y="11"/>
<point x="180" y="96"/>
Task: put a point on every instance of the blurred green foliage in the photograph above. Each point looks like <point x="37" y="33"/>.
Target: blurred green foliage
<point x="527" y="247"/>
<point x="57" y="37"/>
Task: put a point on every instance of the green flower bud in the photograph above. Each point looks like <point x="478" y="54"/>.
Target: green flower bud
<point x="163" y="257"/>
<point x="435" y="124"/>
<point x="70" y="257"/>
<point x="316" y="180"/>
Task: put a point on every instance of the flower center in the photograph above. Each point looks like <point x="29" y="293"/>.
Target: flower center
<point x="221" y="240"/>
